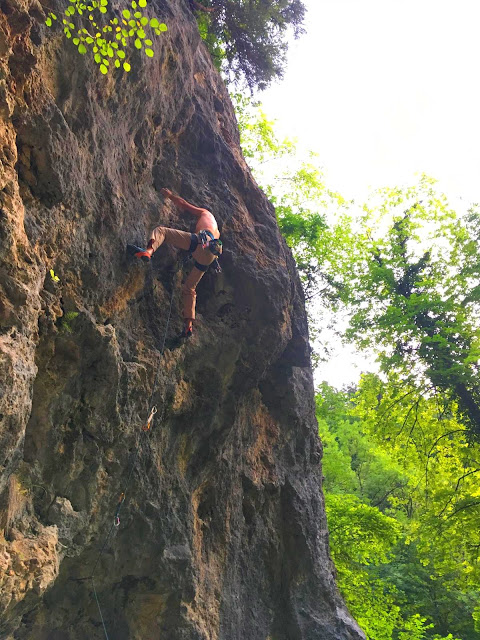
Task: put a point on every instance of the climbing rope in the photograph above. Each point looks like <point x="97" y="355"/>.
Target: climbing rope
<point x="121" y="500"/>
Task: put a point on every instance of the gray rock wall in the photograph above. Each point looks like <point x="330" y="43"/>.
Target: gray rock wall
<point x="223" y="533"/>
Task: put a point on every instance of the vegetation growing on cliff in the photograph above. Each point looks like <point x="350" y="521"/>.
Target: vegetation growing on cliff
<point x="108" y="34"/>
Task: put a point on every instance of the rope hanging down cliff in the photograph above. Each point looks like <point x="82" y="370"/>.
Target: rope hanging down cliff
<point x="121" y="500"/>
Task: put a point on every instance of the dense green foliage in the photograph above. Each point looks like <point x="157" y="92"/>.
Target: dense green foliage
<point x="411" y="284"/>
<point x="250" y="35"/>
<point x="403" y="506"/>
<point x="106" y="34"/>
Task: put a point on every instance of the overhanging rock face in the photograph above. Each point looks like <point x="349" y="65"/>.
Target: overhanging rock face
<point x="223" y="533"/>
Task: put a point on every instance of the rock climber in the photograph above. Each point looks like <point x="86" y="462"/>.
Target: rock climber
<point x="204" y="245"/>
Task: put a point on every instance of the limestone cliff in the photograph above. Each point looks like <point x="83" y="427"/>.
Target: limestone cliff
<point x="223" y="532"/>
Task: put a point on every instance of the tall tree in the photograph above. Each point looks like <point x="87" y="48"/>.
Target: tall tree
<point x="412" y="285"/>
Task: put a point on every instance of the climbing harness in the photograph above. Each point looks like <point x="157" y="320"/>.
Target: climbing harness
<point x="200" y="267"/>
<point x="146" y="428"/>
<point x="208" y="241"/>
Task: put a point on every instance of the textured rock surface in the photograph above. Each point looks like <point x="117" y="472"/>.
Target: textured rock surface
<point x="223" y="534"/>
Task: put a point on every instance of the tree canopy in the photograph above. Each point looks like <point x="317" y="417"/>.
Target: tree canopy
<point x="411" y="284"/>
<point x="251" y="35"/>
<point x="403" y="505"/>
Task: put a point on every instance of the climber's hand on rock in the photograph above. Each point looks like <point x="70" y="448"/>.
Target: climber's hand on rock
<point x="166" y="193"/>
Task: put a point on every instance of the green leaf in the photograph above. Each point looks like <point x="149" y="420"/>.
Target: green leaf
<point x="163" y="27"/>
<point x="103" y="69"/>
<point x="126" y="66"/>
<point x="138" y="43"/>
<point x="76" y="41"/>
<point x="154" y="23"/>
<point x="48" y="22"/>
<point x="89" y="40"/>
<point x="53" y="16"/>
<point x="134" y="4"/>
<point x="148" y="42"/>
<point x="142" y="3"/>
<point x="121" y="53"/>
<point x="117" y="64"/>
<point x="149" y="53"/>
<point x="103" y="3"/>
<point x="82" y="49"/>
<point x="141" y="33"/>
<point x="144" y="21"/>
<point x="98" y="58"/>
<point x="137" y="15"/>
<point x="103" y="10"/>
<point x="126" y="14"/>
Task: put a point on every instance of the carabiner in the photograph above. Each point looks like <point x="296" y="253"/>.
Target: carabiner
<point x="148" y="425"/>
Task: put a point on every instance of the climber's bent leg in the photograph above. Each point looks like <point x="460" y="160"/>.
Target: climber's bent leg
<point x="179" y="239"/>
<point x="175" y="237"/>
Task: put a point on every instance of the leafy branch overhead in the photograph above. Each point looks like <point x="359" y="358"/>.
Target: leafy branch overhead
<point x="251" y="35"/>
<point x="107" y="33"/>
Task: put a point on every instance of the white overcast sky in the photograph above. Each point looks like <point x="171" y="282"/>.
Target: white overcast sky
<point x="383" y="90"/>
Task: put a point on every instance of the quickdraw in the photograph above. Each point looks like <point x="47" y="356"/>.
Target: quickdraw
<point x="148" y="425"/>
<point x="116" y="518"/>
<point x="208" y="241"/>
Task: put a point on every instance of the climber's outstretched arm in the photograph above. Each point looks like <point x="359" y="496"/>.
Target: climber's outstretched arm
<point x="180" y="202"/>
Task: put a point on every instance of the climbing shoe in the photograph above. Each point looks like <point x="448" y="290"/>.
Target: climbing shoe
<point x="138" y="252"/>
<point x="187" y="332"/>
